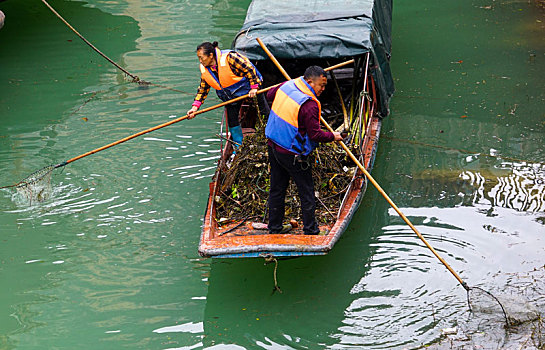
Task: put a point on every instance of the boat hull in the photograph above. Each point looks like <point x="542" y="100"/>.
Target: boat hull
<point x="240" y="240"/>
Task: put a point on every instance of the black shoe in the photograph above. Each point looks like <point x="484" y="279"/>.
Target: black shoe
<point x="285" y="229"/>
<point x="318" y="233"/>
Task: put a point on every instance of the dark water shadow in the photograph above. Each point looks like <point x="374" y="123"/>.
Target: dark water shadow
<point x="242" y="309"/>
<point x="46" y="73"/>
<point x="46" y="68"/>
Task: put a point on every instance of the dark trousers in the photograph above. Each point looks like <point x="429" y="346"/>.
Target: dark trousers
<point x="283" y="167"/>
<point x="233" y="110"/>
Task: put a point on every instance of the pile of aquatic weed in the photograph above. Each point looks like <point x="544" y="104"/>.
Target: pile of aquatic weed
<point x="244" y="185"/>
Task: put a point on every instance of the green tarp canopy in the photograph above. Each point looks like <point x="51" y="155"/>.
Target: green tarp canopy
<point x="328" y="29"/>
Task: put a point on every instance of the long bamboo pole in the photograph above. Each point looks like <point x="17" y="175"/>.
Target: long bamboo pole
<point x="125" y="139"/>
<point x="383" y="193"/>
<point x="379" y="188"/>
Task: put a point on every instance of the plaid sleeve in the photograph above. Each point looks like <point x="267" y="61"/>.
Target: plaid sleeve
<point x="202" y="92"/>
<point x="242" y="67"/>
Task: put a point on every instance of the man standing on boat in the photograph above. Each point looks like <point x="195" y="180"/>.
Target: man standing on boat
<point x="232" y="75"/>
<point x="293" y="132"/>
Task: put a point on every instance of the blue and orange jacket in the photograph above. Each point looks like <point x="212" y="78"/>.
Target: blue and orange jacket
<point x="227" y="84"/>
<point x="283" y="124"/>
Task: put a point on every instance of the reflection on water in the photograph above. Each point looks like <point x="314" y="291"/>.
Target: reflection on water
<point x="428" y="298"/>
<point x="403" y="297"/>
<point x="519" y="186"/>
<point x="110" y="258"/>
<point x="523" y="189"/>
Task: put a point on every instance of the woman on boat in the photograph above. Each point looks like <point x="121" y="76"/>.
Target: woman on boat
<point x="232" y="75"/>
<point x="293" y="132"/>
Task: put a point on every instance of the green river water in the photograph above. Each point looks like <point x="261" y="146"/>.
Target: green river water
<point x="110" y="260"/>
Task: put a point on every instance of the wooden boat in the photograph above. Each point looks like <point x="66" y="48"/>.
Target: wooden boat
<point x="366" y="86"/>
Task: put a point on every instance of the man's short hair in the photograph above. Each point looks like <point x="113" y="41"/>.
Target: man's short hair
<point x="314" y="72"/>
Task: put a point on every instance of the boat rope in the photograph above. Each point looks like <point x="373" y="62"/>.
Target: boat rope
<point x="135" y="78"/>
<point x="326" y="208"/>
<point x="459" y="150"/>
<point x="93" y="94"/>
<point x="269" y="258"/>
<point x="256" y="183"/>
<point x="228" y="140"/>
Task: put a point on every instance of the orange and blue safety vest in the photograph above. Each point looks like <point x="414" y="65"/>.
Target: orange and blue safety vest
<point x="283" y="124"/>
<point x="227" y="84"/>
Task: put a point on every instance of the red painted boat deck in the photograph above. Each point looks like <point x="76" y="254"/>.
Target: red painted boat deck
<point x="239" y="239"/>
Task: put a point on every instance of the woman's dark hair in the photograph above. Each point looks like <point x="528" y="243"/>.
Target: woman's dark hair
<point x="314" y="72"/>
<point x="208" y="47"/>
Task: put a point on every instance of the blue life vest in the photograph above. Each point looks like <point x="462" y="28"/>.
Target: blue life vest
<point x="283" y="124"/>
